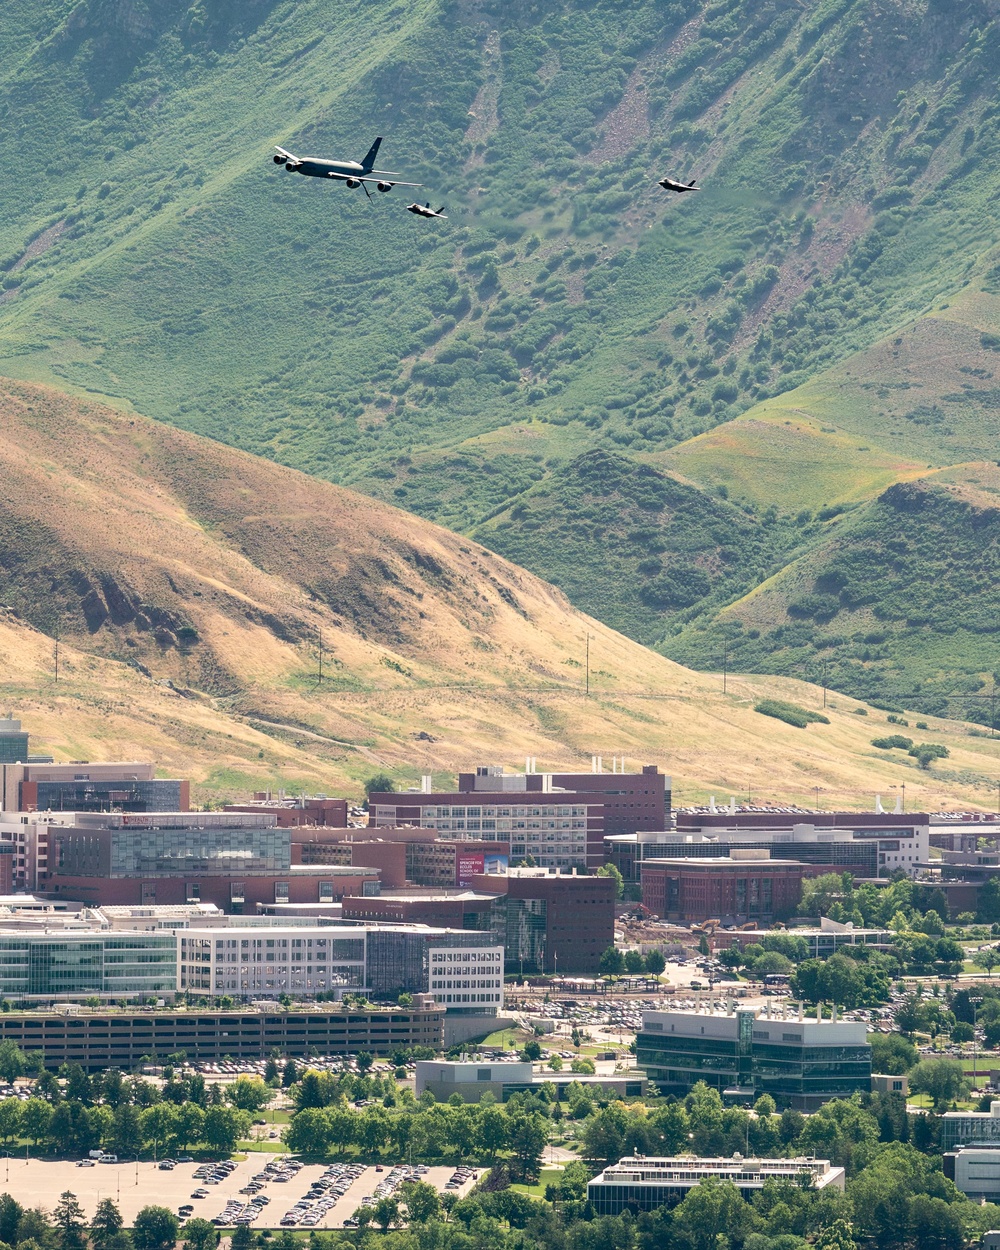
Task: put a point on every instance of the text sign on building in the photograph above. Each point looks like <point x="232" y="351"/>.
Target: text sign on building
<point x="469" y="866"/>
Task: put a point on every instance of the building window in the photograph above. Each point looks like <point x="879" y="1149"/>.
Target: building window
<point x="280" y="893"/>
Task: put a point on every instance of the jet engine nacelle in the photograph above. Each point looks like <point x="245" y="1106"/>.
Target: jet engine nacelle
<point x="354" y="183"/>
<point x="291" y="167"/>
<point x="385" y="186"/>
<point x="279" y="160"/>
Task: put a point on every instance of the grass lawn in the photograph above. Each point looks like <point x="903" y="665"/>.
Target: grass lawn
<point x="549" y="1176"/>
<point x="501" y="1038"/>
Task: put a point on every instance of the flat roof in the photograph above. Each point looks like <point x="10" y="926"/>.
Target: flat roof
<point x="721" y="861"/>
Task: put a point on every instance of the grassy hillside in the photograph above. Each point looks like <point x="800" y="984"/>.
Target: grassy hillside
<point x="836" y="281"/>
<point x="898" y="604"/>
<point x="191" y="586"/>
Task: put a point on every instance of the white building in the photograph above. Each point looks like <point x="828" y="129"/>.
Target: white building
<point x="462" y="968"/>
<point x="975" y="1171"/>
<point x="266" y="962"/>
<point x="643" y="1184"/>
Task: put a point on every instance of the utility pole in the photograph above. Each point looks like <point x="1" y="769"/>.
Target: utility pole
<point x="588" y="665"/>
<point x="725" y="664"/>
<point x="320" y="679"/>
<point x="56" y="654"/>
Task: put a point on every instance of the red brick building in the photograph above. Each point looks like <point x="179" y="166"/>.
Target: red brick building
<point x="689" y="891"/>
<point x="451" y="909"/>
<point x="554" y="921"/>
<point x="556" y="828"/>
<point x="351" y="848"/>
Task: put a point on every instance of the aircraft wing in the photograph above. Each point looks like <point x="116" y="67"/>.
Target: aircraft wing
<point x="366" y="178"/>
<point x="287" y="155"/>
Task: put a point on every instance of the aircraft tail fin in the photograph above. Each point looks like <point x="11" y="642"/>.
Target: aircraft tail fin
<point x="369" y="161"/>
<point x="692" y="182"/>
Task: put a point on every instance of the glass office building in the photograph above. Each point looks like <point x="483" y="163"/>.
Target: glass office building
<point x="120" y="795"/>
<point x="801" y="1063"/>
<point x="463" y="969"/>
<point x="74" y="965"/>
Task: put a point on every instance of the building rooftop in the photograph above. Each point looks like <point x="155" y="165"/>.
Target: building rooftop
<point x="686" y="1168"/>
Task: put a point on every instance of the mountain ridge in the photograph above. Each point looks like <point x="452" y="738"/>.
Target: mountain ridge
<point x="219" y="575"/>
<point x="838" y="269"/>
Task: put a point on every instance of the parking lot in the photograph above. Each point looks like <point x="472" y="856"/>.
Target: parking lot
<point x="135" y="1185"/>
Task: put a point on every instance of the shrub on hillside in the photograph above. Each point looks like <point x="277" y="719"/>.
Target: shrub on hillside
<point x="893" y="741"/>
<point x="790" y="713"/>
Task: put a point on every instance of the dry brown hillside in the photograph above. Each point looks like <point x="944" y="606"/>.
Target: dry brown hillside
<point x="189" y="586"/>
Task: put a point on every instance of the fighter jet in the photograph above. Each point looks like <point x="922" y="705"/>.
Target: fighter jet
<point x="425" y="210"/>
<point x="354" y="173"/>
<point x="671" y="184"/>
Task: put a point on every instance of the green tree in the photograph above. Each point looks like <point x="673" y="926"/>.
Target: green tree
<point x="155" y="1228"/>
<point x="271" y="1073"/>
<point x="10" y="1119"/>
<point x="363" y="1061"/>
<point x="107" y="1222"/>
<point x="158" y="1123"/>
<point x="386" y="1213"/>
<point x="943" y="1080"/>
<point x="126" y="1135"/>
<point x="820" y="893"/>
<point x="289" y="1074"/>
<point x="13" y="1061"/>
<point x="712" y="1215"/>
<point x="309" y="1091"/>
<point x="242" y="1238"/>
<point x="583" y="1065"/>
<point x="555" y="1064"/>
<point x="309" y="1132"/>
<point x="612" y="962"/>
<point x="224" y="1126"/>
<point x="841" y="1131"/>
<point x="380" y="783"/>
<point x="527" y="1141"/>
<point x="342" y="1128"/>
<point x="189" y="1124"/>
<point x="10" y="1216"/>
<point x="531" y="1052"/>
<point x="609" y="870"/>
<point x="34" y="1226"/>
<point x="36" y="1116"/>
<point x="373" y="1130"/>
<point x="78" y="1083"/>
<point x="422" y="1201"/>
<point x="491" y="1131"/>
<point x="200" y="1235"/>
<point x="892" y="1054"/>
<point x="635" y="965"/>
<point x="836" y="1236"/>
<point x="988" y="902"/>
<point x="655" y="963"/>
<point x="987" y="958"/>
<point x="69" y="1220"/>
<point x="248" y="1093"/>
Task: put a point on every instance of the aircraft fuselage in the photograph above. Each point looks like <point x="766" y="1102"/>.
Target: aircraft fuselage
<point x="314" y="167"/>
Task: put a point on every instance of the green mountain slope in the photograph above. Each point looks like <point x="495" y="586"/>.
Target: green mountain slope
<point x="898" y="605"/>
<point x="836" y="279"/>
